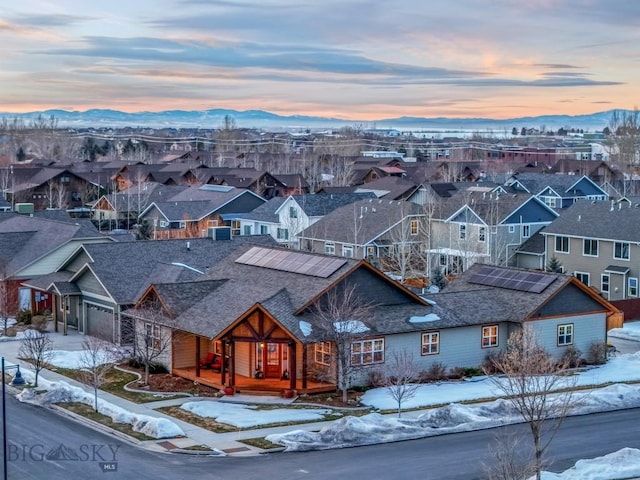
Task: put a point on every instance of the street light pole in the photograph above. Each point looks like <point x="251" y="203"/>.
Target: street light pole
<point x="17" y="381"/>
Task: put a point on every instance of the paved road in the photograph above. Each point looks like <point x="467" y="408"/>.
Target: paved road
<point x="33" y="432"/>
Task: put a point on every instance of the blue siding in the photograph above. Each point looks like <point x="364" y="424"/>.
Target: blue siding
<point x="532" y="211"/>
<point x="587" y="329"/>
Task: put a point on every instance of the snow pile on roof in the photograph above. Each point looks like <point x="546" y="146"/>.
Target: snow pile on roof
<point x="247" y="416"/>
<point x="62" y="392"/>
<point x="305" y="328"/>
<point x="350" y="326"/>
<point x="624" y="463"/>
<point x="430" y="317"/>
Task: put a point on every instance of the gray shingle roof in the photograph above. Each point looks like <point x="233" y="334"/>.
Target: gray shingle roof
<point x="537" y="182"/>
<point x="266" y="211"/>
<point x="127" y="268"/>
<point x="360" y="222"/>
<point x="318" y="205"/>
<point x="598" y="220"/>
<point x="397" y="187"/>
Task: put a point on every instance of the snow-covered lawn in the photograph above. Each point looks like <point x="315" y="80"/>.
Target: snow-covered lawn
<point x="62" y="392"/>
<point x="376" y="428"/>
<point x="630" y="331"/>
<point x="248" y="416"/>
<point x="624" y="463"/>
<point x="74" y="359"/>
<point x="623" y="368"/>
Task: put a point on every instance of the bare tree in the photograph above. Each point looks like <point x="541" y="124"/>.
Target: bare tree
<point x="57" y="194"/>
<point x="508" y="460"/>
<point x="625" y="138"/>
<point x="151" y="332"/>
<point x="529" y="376"/>
<point x="36" y="347"/>
<point x="96" y="361"/>
<point x="341" y="313"/>
<point x="400" y="376"/>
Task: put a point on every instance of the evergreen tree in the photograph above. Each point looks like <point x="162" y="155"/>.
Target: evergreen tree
<point x="554" y="265"/>
<point x="437" y="278"/>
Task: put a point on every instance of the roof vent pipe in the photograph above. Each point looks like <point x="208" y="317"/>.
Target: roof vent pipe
<point x="188" y="246"/>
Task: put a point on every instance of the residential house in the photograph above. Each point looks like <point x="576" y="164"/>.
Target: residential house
<point x="33" y="246"/>
<point x="285" y="218"/>
<point x="389" y="233"/>
<point x="97" y="282"/>
<point x="480" y="226"/>
<point x="192" y="212"/>
<point x="389" y="188"/>
<point x="599" y="243"/>
<point x="273" y="338"/>
<point x="556" y="190"/>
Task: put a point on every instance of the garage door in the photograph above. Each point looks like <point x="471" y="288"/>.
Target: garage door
<point x="99" y="322"/>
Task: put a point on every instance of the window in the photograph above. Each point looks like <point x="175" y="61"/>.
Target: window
<point x="367" y="352"/>
<point x="182" y="224"/>
<point x="482" y="234"/>
<point x="247" y="230"/>
<point x="235" y="227"/>
<point x="590" y="247"/>
<point x="371" y="251"/>
<point x="621" y="251"/>
<point x="443" y="261"/>
<point x="565" y="334"/>
<point x="462" y="231"/>
<point x="526" y="231"/>
<point x="414" y="227"/>
<point x="633" y="287"/>
<point x="212" y="223"/>
<point x="293" y="212"/>
<point x="347" y="251"/>
<point x="430" y="343"/>
<point x="604" y="283"/>
<point x="583" y="277"/>
<point x="549" y="201"/>
<point x="164" y="224"/>
<point x="562" y="244"/>
<point x="283" y="234"/>
<point x="75" y="197"/>
<point x="264" y="230"/>
<point x="330" y="248"/>
<point x="512" y="228"/>
<point x="490" y="336"/>
<point x="323" y="353"/>
<point x="152" y="335"/>
<point x="65" y="179"/>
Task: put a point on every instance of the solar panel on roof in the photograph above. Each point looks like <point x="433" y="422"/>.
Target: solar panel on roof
<point x="512" y="279"/>
<point x="289" y="261"/>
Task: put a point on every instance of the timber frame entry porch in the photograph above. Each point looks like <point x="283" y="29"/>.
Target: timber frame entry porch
<point x="261" y="356"/>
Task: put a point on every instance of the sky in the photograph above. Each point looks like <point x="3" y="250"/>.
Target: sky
<point x="348" y="59"/>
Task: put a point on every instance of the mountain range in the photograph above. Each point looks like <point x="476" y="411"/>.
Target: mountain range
<point x="209" y="119"/>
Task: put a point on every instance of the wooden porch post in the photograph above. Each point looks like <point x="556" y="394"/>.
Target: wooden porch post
<point x="223" y="370"/>
<point x="54" y="311"/>
<point x="232" y="363"/>
<point x="197" y="355"/>
<point x="293" y="370"/>
<point x="304" y="366"/>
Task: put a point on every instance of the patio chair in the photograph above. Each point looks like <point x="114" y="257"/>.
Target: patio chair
<point x="208" y="360"/>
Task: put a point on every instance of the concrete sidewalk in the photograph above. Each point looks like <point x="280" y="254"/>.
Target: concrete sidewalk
<point x="227" y="443"/>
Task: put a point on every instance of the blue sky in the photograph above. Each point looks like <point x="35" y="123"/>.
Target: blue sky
<point x="351" y="59"/>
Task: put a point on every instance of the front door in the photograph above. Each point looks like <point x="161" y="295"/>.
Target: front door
<point x="273" y="360"/>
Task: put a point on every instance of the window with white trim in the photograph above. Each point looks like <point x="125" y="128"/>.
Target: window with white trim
<point x="247" y="230"/>
<point x="264" y="230"/>
<point x="414" y="227"/>
<point x="490" y="336"/>
<point x="565" y="334"/>
<point x="526" y="231"/>
<point x="621" y="251"/>
<point x="632" y="286"/>
<point x="323" y="353"/>
<point x="367" y="352"/>
<point x="330" y="248"/>
<point x="152" y="335"/>
<point x="590" y="247"/>
<point x="430" y="343"/>
<point x="583" y="277"/>
<point x="347" y="251"/>
<point x="282" y="234"/>
<point x="550" y="201"/>
<point x="482" y="234"/>
<point x="293" y="212"/>
<point x="371" y="251"/>
<point x="462" y="231"/>
<point x="562" y="244"/>
<point x="604" y="283"/>
<point x="512" y="228"/>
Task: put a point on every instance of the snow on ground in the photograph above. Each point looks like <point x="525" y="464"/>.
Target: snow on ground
<point x="62" y="392"/>
<point x="630" y="331"/>
<point x="376" y="428"/>
<point x="247" y="416"/>
<point x="74" y="360"/>
<point x="622" y="368"/>
<point x="624" y="463"/>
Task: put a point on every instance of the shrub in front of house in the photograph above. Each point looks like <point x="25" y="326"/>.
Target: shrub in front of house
<point x="597" y="353"/>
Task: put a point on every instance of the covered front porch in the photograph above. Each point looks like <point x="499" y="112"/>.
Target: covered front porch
<point x="260" y="355"/>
